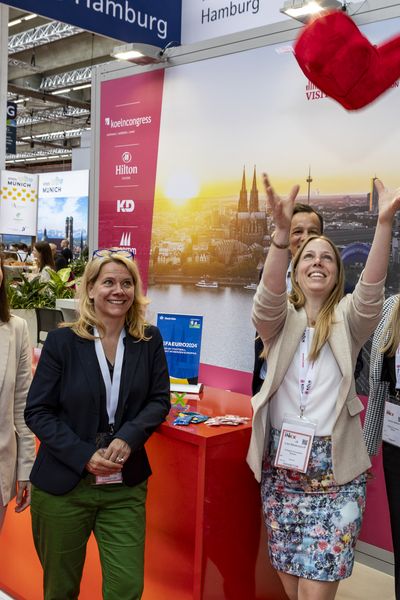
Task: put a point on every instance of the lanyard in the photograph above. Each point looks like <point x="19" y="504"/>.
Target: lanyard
<point x="305" y="370"/>
<point x="397" y="364"/>
<point x="112" y="387"/>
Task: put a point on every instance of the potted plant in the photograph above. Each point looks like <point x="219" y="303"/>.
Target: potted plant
<point x="78" y="265"/>
<point x="25" y="294"/>
<point x="60" y="285"/>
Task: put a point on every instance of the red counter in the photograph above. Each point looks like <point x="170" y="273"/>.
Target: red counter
<point x="205" y="539"/>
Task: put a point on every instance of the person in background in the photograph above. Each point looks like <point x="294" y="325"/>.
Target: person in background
<point x="29" y="259"/>
<point x="100" y="389"/>
<point x="66" y="251"/>
<point x="17" y="443"/>
<point x="59" y="261"/>
<point x="43" y="256"/>
<point x="307" y="448"/>
<point x="305" y="221"/>
<point x="22" y="251"/>
<point x="384" y="393"/>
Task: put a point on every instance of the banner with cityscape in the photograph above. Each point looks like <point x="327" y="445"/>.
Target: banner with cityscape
<point x="226" y="120"/>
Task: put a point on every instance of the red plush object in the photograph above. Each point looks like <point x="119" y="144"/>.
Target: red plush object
<point x="341" y="62"/>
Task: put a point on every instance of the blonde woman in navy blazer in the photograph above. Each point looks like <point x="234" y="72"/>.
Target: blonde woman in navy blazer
<point x="85" y="438"/>
<point x="313" y="518"/>
<point x="17" y="443"/>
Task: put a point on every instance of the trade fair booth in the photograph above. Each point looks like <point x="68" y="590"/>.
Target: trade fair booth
<point x="178" y="147"/>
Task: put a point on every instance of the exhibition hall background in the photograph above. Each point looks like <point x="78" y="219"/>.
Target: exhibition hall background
<point x="176" y="157"/>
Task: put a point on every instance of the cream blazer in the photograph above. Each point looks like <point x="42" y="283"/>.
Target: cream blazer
<point x="281" y="326"/>
<point x="17" y="443"/>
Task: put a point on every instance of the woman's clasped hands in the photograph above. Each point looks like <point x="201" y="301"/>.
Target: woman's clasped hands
<point x="106" y="461"/>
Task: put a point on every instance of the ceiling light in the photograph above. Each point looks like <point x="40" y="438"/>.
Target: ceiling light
<point x="82" y="87"/>
<point x="15" y="22"/>
<point x="141" y="54"/>
<point x="303" y="9"/>
<point x="29" y="17"/>
<point x="63" y="91"/>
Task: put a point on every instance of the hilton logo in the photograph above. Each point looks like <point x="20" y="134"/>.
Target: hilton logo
<point x="126" y="170"/>
<point x="126" y="157"/>
<point x="125" y="206"/>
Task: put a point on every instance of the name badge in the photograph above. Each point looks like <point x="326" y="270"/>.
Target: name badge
<point x="295" y="444"/>
<point x="391" y="423"/>
<point x="113" y="478"/>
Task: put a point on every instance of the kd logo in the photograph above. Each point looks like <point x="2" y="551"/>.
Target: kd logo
<point x="125" y="206"/>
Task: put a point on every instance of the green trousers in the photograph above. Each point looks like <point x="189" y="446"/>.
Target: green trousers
<point x="61" y="528"/>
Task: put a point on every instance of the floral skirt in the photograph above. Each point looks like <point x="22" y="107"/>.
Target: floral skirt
<point x="312" y="522"/>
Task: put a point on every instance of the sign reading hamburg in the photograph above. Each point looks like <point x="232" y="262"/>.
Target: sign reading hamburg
<point x="155" y="22"/>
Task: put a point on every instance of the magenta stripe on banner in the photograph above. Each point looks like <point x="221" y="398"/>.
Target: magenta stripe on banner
<point x="129" y="134"/>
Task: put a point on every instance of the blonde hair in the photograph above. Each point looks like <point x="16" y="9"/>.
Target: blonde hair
<point x="135" y="317"/>
<point x="392" y="331"/>
<point x="325" y="316"/>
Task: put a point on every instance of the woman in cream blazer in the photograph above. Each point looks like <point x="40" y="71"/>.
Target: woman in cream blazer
<point x="17" y="443"/>
<point x="307" y="447"/>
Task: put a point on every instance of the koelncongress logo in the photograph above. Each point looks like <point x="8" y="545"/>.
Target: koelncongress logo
<point x="127" y="122"/>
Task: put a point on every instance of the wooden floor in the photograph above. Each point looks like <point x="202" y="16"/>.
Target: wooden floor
<point x="366" y="584"/>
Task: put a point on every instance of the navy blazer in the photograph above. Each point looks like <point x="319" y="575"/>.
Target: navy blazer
<point x="63" y="407"/>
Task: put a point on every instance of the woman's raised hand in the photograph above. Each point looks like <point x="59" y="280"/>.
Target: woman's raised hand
<point x="282" y="208"/>
<point x="389" y="202"/>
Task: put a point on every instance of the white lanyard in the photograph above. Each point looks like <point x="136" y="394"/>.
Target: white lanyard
<point x="397" y="364"/>
<point x="112" y="387"/>
<point x="305" y="370"/>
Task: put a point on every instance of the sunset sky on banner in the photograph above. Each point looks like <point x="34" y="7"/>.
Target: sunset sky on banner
<point x="254" y="107"/>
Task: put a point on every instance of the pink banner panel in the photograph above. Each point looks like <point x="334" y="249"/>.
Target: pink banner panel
<point x="129" y="134"/>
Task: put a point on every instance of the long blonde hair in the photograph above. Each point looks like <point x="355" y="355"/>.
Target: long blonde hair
<point x="135" y="317"/>
<point x="393" y="330"/>
<point x="325" y="316"/>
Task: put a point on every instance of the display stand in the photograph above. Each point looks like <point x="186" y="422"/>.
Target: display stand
<point x="205" y="538"/>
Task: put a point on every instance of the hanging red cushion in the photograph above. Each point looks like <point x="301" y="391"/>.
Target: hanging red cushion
<point x="342" y="62"/>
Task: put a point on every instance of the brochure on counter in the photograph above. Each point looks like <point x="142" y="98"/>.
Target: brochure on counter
<point x="187" y="388"/>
